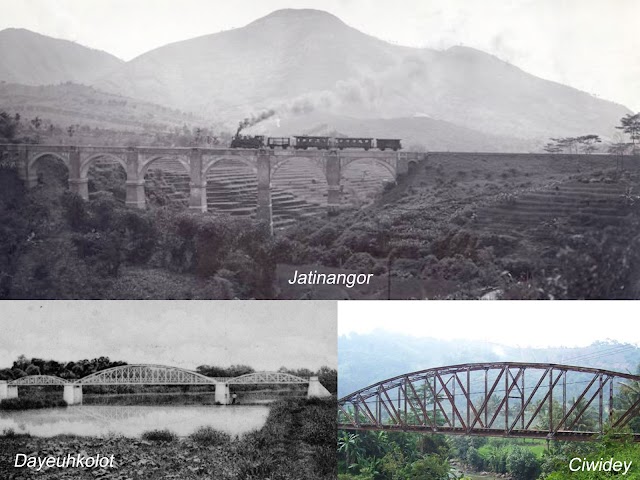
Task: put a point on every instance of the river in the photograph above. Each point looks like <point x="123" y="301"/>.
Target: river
<point x="132" y="421"/>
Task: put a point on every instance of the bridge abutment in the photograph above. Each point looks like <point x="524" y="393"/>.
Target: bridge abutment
<point x="316" y="389"/>
<point x="222" y="394"/>
<point x="8" y="391"/>
<point x="73" y="394"/>
<point x="264" y="211"/>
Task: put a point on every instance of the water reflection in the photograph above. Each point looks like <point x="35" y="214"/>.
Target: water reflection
<point x="131" y="421"/>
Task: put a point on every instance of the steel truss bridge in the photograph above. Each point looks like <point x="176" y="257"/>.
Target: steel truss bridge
<point x="160" y="375"/>
<point x="494" y="399"/>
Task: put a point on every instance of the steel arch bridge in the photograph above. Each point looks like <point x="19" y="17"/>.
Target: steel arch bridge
<point x="143" y="374"/>
<point x="493" y="399"/>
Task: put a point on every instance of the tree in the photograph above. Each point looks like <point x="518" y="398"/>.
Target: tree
<point x="349" y="445"/>
<point x="522" y="464"/>
<point x="8" y="127"/>
<point x="630" y="124"/>
<point x="552" y="147"/>
<point x="588" y="143"/>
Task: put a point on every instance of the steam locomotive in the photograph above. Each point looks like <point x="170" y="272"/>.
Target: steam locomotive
<point x="303" y="142"/>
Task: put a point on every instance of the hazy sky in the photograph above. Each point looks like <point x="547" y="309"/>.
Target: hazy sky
<point x="264" y="335"/>
<point x="589" y="44"/>
<point x="523" y="324"/>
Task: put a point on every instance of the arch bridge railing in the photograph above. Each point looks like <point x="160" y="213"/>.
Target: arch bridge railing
<point x="496" y="399"/>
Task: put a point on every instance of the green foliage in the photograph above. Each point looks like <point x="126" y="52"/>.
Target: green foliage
<point x="159" y="436"/>
<point x="522" y="464"/>
<point x="30" y="403"/>
<point x="210" y="436"/>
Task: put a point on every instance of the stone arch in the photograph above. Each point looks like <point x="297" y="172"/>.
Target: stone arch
<point x="299" y="189"/>
<point x="113" y="180"/>
<point x="231" y="184"/>
<point x="386" y="165"/>
<point x="35" y="173"/>
<point x="212" y="162"/>
<point x="89" y="161"/>
<point x="33" y="160"/>
<point x="178" y="158"/>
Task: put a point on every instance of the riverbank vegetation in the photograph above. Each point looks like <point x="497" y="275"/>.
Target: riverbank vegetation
<point x="409" y="456"/>
<point x="296" y="442"/>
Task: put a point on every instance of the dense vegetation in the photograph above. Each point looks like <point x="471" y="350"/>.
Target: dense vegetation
<point x="400" y="456"/>
<point x="296" y="442"/>
<point x="56" y="245"/>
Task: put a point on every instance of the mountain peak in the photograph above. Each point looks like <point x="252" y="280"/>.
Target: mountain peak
<point x="298" y="14"/>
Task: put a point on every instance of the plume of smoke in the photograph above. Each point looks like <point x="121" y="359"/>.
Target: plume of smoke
<point x="254" y="120"/>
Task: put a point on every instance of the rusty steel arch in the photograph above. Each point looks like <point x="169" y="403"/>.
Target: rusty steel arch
<point x="146" y="375"/>
<point x="39" y="380"/>
<point x="493" y="399"/>
<point x="267" y="378"/>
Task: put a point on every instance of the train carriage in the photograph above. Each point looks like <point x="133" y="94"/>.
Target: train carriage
<point x="283" y="142"/>
<point x="304" y="142"/>
<point x="390" y="143"/>
<point x="347" y="142"/>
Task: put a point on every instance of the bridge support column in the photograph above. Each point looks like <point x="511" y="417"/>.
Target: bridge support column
<point x="222" y="395"/>
<point x="80" y="186"/>
<point x="23" y="164"/>
<point x="77" y="184"/>
<point x="333" y="174"/>
<point x="316" y="389"/>
<point x="198" y="184"/>
<point x="264" y="212"/>
<point x="73" y="394"/>
<point x="135" y="185"/>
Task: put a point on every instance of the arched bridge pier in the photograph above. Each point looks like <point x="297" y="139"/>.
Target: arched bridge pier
<point x="197" y="162"/>
<point x="496" y="399"/>
<point x="160" y="375"/>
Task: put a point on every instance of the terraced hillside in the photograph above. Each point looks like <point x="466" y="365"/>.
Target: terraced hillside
<point x="578" y="205"/>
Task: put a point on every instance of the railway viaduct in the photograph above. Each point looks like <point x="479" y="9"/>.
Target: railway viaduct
<point x="197" y="162"/>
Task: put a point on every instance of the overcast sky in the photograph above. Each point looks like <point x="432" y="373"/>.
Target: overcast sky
<point x="592" y="45"/>
<point x="516" y="324"/>
<point x="264" y="335"/>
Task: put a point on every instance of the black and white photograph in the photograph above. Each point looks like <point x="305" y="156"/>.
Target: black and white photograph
<point x="168" y="390"/>
<point x="319" y="149"/>
<point x="482" y="397"/>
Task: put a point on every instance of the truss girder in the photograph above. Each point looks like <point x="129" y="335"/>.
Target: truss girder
<point x="500" y="398"/>
<point x="267" y="378"/>
<point x="39" y="380"/>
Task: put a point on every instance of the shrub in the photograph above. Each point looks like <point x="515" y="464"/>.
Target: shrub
<point x="210" y="436"/>
<point x="159" y="436"/>
<point x="362" y="262"/>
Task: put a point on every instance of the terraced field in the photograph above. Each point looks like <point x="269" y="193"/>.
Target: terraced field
<point x="578" y="205"/>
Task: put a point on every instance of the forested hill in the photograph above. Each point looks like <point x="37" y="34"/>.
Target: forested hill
<point x="366" y="359"/>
